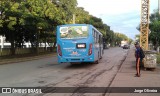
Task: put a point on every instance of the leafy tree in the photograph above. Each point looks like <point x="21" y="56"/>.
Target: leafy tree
<point x="82" y="16"/>
<point x="11" y="13"/>
<point x="23" y="21"/>
<point x="67" y="8"/>
<point x="137" y="37"/>
<point x="155" y="29"/>
<point x="35" y="21"/>
<point x="119" y="37"/>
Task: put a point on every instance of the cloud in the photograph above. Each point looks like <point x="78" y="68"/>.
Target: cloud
<point x="123" y="23"/>
<point x="110" y="7"/>
<point x="122" y="15"/>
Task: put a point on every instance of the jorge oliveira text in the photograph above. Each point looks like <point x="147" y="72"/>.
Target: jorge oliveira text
<point x="145" y="91"/>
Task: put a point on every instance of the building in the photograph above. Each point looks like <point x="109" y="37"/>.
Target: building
<point x="4" y="44"/>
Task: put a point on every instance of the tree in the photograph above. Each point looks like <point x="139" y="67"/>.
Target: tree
<point x="35" y="21"/>
<point x="11" y="21"/>
<point x="25" y="20"/>
<point x="66" y="8"/>
<point x="119" y="37"/>
<point x="155" y="33"/>
<point x="82" y="16"/>
<point x="155" y="29"/>
<point x="137" y="37"/>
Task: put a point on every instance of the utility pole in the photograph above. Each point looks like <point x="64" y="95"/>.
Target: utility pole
<point x="1" y="42"/>
<point x="74" y="18"/>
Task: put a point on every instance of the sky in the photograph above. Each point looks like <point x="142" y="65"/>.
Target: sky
<point x="122" y="16"/>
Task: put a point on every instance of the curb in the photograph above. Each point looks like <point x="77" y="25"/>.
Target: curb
<point x="23" y="59"/>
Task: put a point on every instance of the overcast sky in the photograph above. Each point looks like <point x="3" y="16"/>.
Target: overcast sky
<point x="122" y="16"/>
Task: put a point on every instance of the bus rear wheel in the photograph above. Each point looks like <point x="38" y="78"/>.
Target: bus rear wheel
<point x="97" y="61"/>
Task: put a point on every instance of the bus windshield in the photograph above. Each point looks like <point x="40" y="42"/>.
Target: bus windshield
<point x="73" y="32"/>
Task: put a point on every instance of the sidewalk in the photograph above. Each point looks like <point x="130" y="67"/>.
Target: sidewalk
<point x="125" y="77"/>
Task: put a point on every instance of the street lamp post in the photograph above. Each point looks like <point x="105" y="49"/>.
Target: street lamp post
<point x="1" y="36"/>
<point x="45" y="41"/>
<point x="1" y="42"/>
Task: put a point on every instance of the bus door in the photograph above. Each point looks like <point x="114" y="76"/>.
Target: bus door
<point x="100" y="45"/>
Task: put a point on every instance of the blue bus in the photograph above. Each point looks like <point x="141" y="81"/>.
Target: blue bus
<point x="79" y="43"/>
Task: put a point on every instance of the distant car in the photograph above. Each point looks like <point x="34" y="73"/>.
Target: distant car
<point x="126" y="47"/>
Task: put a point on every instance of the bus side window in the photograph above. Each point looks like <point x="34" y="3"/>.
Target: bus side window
<point x="99" y="39"/>
<point x="95" y="40"/>
<point x="93" y="32"/>
<point x="97" y="36"/>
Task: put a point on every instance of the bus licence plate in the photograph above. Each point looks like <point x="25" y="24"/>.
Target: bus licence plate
<point x="81" y="45"/>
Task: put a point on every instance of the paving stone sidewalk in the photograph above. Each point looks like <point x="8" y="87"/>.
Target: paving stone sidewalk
<point x="126" y="78"/>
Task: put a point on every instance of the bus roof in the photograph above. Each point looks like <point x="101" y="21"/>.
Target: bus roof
<point x="74" y="25"/>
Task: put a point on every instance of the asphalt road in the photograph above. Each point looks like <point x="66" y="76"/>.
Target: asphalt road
<point x="46" y="72"/>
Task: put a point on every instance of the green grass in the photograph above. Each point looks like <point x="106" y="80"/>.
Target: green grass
<point x="158" y="58"/>
<point x="24" y="52"/>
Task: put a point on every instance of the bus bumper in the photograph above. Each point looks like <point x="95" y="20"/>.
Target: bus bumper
<point x="74" y="59"/>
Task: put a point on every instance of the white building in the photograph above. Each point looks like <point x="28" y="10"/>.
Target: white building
<point x="4" y="44"/>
